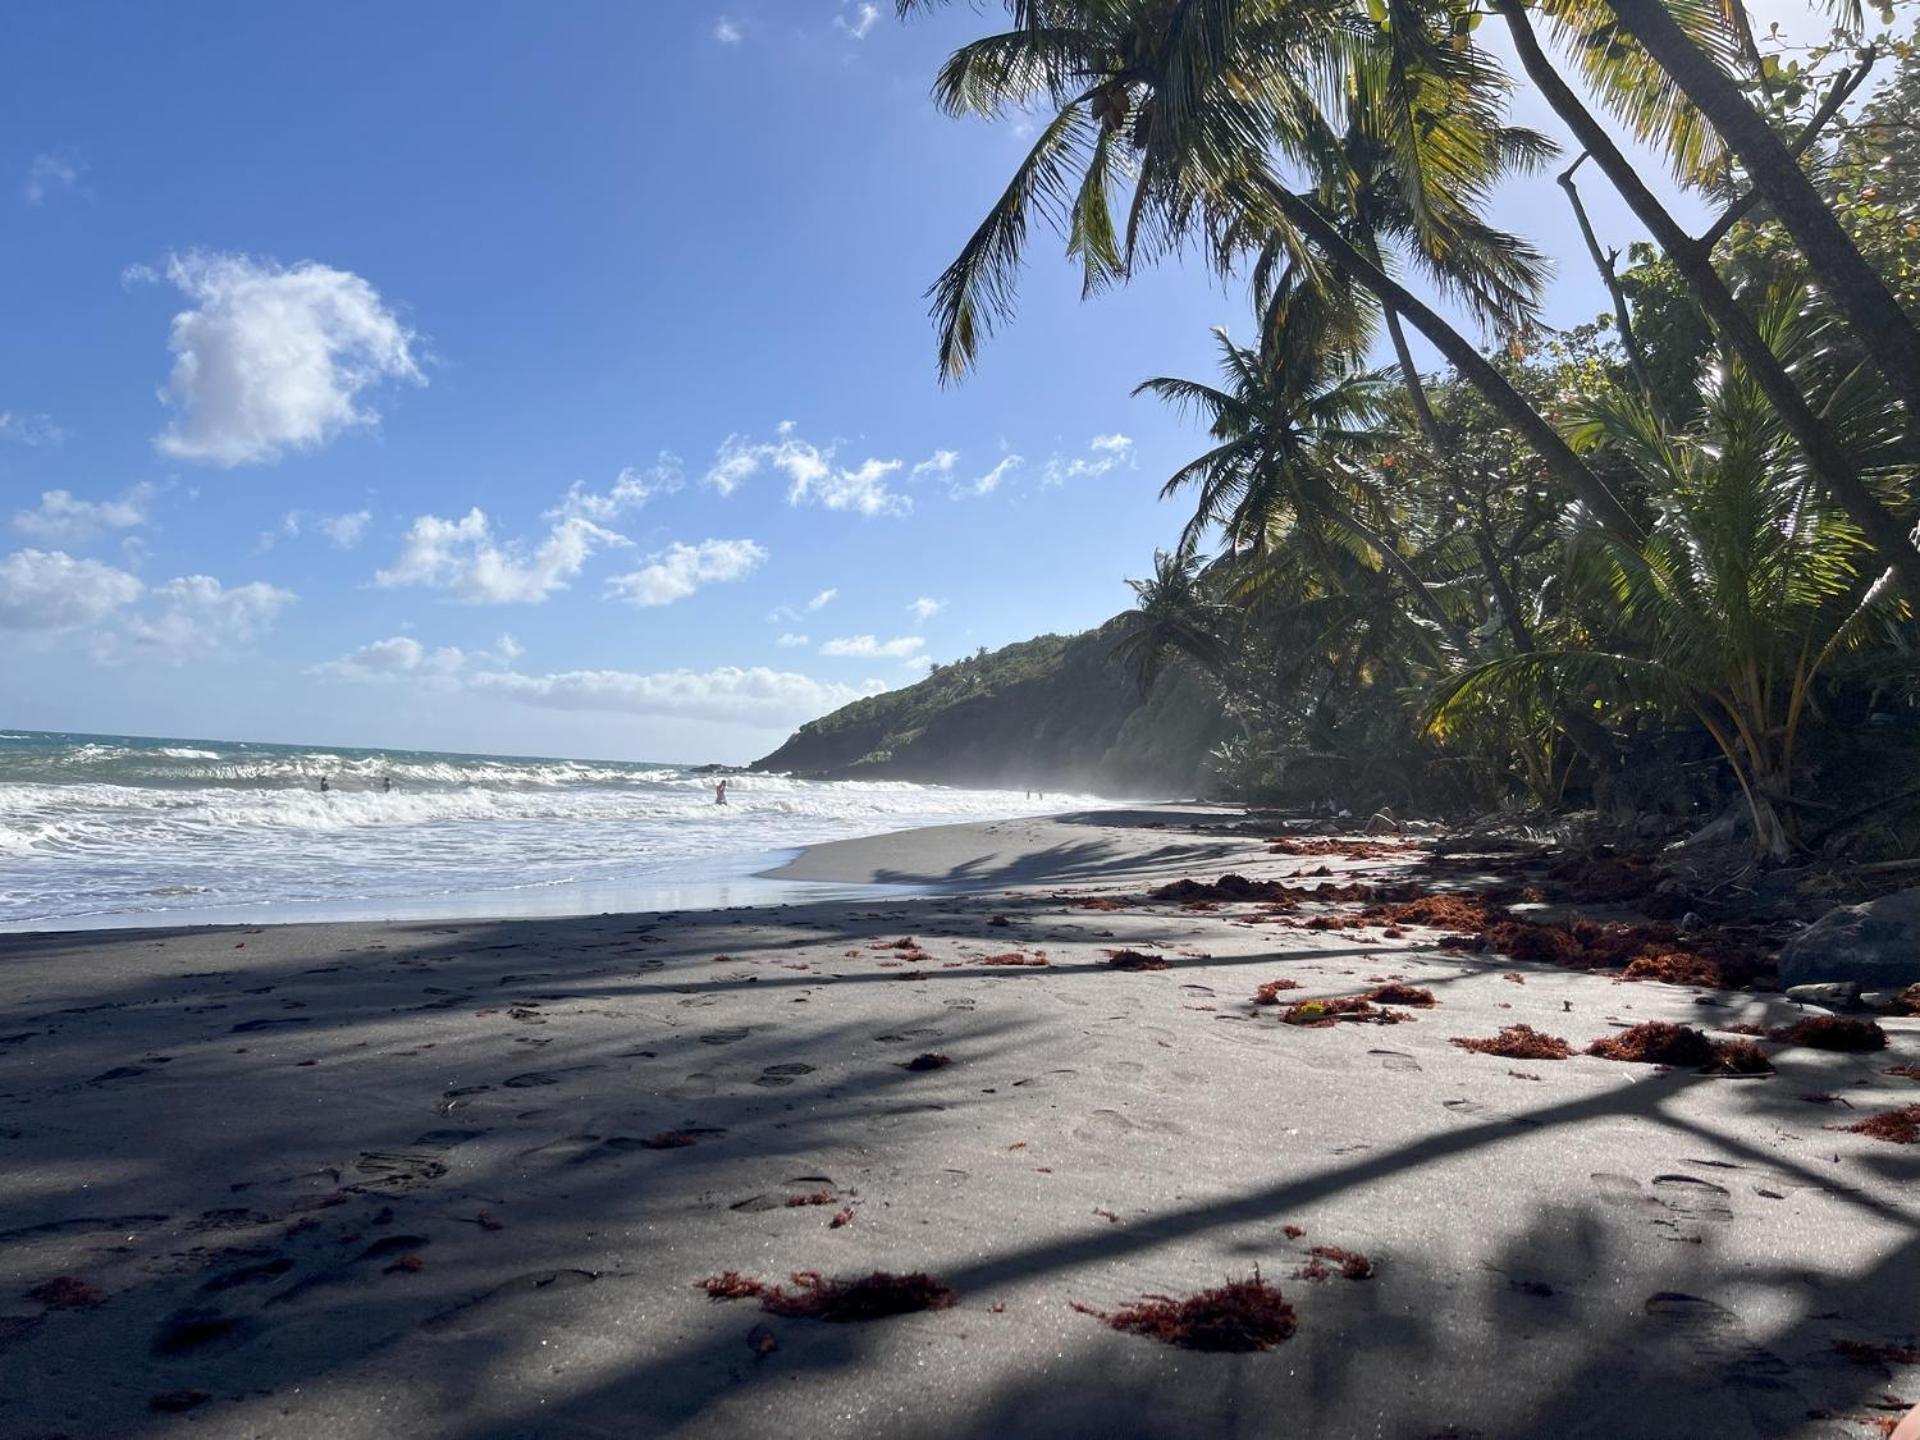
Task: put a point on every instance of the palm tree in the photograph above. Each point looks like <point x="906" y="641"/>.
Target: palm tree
<point x="1833" y="467"/>
<point x="1188" y="100"/>
<point x="1695" y="48"/>
<point x="1750" y="584"/>
<point x="1289" y="424"/>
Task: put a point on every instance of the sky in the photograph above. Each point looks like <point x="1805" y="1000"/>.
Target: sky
<point x="559" y="381"/>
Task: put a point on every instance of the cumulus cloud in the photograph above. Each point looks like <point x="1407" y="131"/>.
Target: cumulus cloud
<point x="394" y="658"/>
<point x="630" y="490"/>
<point x="50" y="590"/>
<point x="813" y="475"/>
<point x="196" y="616"/>
<point x="31" y="430"/>
<point x="62" y="517"/>
<point x="728" y="32"/>
<point x="859" y="20"/>
<point x="926" y="607"/>
<point x="274" y="358"/>
<point x="869" y="647"/>
<point x="53" y="172"/>
<point x="186" y="618"/>
<point x="822" y="600"/>
<point x="401" y="657"/>
<point x="679" y="570"/>
<point x="756" y="696"/>
<point x="790" y="641"/>
<point x="461" y="556"/>
<point x="1104" y="453"/>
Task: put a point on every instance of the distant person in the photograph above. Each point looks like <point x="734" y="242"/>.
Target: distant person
<point x="325" y="785"/>
<point x="720" y="792"/>
<point x="386" y="784"/>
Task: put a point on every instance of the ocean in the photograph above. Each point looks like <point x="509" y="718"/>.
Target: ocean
<point x="123" y="830"/>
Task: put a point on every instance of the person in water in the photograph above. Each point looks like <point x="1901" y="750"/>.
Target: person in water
<point x="720" y="792"/>
<point x="325" y="785"/>
<point x="386" y="784"/>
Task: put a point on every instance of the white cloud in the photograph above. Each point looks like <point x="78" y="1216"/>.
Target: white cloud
<point x="196" y="616"/>
<point x="788" y="613"/>
<point x="1104" y="453"/>
<point x="868" y="647"/>
<point x="728" y="32"/>
<point x="273" y="358"/>
<point x="50" y="590"/>
<point x="54" y="172"/>
<point x="988" y="483"/>
<point x="757" y="696"/>
<point x="61" y="517"/>
<point x="31" y="430"/>
<point x="940" y="463"/>
<point x="790" y="641"/>
<point x="630" y="490"/>
<point x="866" y="15"/>
<point x="401" y="657"/>
<point x="342" y="531"/>
<point x="813" y="477"/>
<point x="462" y="556"/>
<point x="822" y="600"/>
<point x="926" y="607"/>
<point x="397" y="657"/>
<point x="679" y="570"/>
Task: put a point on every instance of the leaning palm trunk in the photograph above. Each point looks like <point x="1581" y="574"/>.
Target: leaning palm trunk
<point x="1835" y="261"/>
<point x="1831" y="464"/>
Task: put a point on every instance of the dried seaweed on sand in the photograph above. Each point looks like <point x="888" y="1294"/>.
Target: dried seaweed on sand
<point x="1240" y="1316"/>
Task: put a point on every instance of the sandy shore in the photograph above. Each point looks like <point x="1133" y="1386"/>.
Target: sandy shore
<point x="463" y="1179"/>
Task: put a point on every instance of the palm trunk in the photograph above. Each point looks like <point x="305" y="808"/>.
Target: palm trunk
<point x="1830" y="463"/>
<point x="1503" y="596"/>
<point x="1836" y="262"/>
<point x="1603" y="262"/>
<point x="1566" y="468"/>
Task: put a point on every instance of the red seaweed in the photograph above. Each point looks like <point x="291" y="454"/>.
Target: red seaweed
<point x="1240" y="1316"/>
<point x="1517" y="1042"/>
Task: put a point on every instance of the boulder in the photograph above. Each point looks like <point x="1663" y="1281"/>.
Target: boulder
<point x="1875" y="946"/>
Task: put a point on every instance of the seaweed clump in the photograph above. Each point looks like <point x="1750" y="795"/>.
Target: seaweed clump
<point x="1134" y="960"/>
<point x="815" y="1297"/>
<point x="1269" y="993"/>
<point x="1240" y="1316"/>
<point x="1832" y="1032"/>
<point x="932" y="1060"/>
<point x="1013" y="958"/>
<point x="1897" y="1127"/>
<point x="1517" y="1042"/>
<point x="1319" y="1014"/>
<point x="1739" y="1057"/>
<point x="1399" y="993"/>
<point x="1656" y="1042"/>
<point x="1324" y="1259"/>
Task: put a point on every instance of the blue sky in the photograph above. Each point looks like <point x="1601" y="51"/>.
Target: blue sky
<point x="511" y="378"/>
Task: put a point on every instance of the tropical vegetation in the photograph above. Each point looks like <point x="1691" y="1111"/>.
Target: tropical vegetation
<point x="1663" y="563"/>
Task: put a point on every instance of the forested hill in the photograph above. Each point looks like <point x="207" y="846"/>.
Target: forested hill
<point x="1055" y="713"/>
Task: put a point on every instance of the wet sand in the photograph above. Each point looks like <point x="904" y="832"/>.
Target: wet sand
<point x="463" y="1179"/>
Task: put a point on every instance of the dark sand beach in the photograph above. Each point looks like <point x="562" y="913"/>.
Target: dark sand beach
<point x="466" y="1179"/>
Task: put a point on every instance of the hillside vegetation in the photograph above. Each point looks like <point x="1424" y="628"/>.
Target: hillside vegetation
<point x="1055" y="713"/>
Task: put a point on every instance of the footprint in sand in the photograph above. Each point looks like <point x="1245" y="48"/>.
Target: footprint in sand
<point x="775" y="1076"/>
<point x="188" y="1330"/>
<point x="393" y="1172"/>
<point x="248" y="1275"/>
<point x="1464" y="1107"/>
<point x="903" y="1037"/>
<point x="1397" y="1060"/>
<point x="248" y="1027"/>
<point x="1698" y="1199"/>
<point x="1046" y="1078"/>
<point x="1715" y="1337"/>
<point x="724" y="1037"/>
<point x="1103" y="1125"/>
